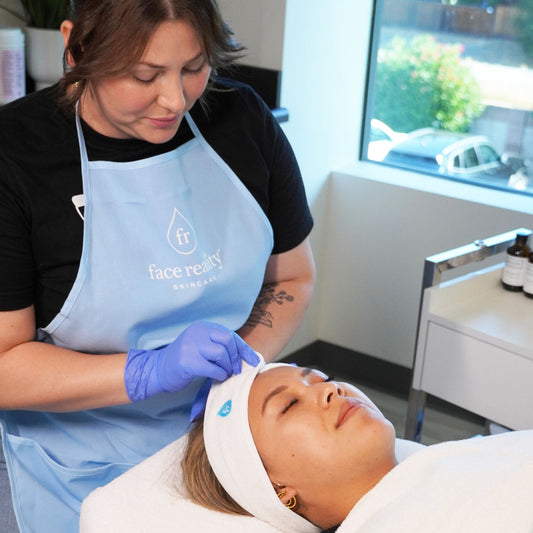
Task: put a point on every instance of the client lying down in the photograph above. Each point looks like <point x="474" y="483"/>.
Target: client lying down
<point x="301" y="452"/>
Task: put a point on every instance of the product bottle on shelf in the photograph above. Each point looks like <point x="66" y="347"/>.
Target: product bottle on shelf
<point x="515" y="263"/>
<point x="528" y="278"/>
<point x="12" y="65"/>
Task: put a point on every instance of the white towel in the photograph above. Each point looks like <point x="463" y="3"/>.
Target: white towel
<point x="149" y="498"/>
<point x="479" y="485"/>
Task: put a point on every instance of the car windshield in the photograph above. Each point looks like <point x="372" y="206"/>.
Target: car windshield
<point x="488" y="154"/>
<point x="470" y="158"/>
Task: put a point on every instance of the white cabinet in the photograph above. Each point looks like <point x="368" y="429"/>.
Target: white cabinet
<point x="475" y="350"/>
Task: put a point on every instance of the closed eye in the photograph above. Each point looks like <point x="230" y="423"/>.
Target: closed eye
<point x="195" y="70"/>
<point x="146" y="82"/>
<point x="145" y="77"/>
<point x="195" y="66"/>
<point x="289" y="405"/>
<point x="294" y="401"/>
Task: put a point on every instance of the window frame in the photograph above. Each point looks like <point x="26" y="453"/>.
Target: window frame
<point x="365" y="131"/>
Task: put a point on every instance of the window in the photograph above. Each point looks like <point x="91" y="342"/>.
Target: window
<point x="470" y="158"/>
<point x="450" y="90"/>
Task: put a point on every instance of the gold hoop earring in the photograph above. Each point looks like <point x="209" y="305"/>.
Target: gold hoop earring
<point x="291" y="504"/>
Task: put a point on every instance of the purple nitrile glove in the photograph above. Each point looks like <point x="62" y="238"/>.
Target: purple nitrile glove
<point x="200" y="402"/>
<point x="204" y="349"/>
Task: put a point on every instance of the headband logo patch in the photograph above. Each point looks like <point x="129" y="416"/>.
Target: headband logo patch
<point x="225" y="409"/>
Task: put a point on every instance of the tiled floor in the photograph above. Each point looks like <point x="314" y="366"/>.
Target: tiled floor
<point x="440" y="424"/>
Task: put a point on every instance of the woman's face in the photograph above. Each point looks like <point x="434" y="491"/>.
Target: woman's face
<point x="149" y="101"/>
<point x="318" y="435"/>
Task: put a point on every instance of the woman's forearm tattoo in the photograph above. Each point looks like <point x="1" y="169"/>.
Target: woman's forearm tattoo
<point x="267" y="296"/>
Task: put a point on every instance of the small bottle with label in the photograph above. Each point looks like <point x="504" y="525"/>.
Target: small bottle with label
<point x="12" y="65"/>
<point x="528" y="278"/>
<point x="515" y="263"/>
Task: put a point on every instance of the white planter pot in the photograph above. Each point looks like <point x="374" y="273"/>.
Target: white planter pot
<point x="44" y="56"/>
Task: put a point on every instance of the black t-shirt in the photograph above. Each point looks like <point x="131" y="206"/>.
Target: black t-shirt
<point x="41" y="232"/>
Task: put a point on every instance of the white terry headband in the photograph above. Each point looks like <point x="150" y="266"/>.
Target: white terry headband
<point x="233" y="456"/>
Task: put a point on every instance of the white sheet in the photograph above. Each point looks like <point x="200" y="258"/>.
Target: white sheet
<point x="147" y="499"/>
<point x="480" y="485"/>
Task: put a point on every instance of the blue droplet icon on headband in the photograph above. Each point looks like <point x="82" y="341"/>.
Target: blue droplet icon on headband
<point x="225" y="409"/>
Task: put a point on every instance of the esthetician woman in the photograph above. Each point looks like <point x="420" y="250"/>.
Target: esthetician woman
<point x="154" y="227"/>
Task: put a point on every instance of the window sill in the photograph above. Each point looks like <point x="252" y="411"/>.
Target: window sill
<point x="439" y="186"/>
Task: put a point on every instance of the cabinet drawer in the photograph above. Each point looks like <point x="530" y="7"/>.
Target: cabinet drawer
<point x="484" y="379"/>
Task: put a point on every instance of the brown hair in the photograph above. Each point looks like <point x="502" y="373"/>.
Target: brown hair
<point x="109" y="36"/>
<point x="199" y="479"/>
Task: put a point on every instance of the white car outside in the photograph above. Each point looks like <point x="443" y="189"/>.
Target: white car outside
<point x="382" y="139"/>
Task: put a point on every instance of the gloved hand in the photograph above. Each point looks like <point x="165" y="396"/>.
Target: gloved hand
<point x="203" y="349"/>
<point x="200" y="402"/>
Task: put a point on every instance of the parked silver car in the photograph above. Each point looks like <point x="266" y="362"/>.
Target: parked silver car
<point x="460" y="156"/>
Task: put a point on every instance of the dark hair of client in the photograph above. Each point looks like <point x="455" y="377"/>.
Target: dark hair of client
<point x="200" y="482"/>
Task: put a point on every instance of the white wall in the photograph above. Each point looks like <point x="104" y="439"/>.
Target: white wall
<point x="374" y="225"/>
<point x="321" y="88"/>
<point x="378" y="235"/>
<point x="8" y="20"/>
<point x="322" y="82"/>
<point x="259" y="25"/>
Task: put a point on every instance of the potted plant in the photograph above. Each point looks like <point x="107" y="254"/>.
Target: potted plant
<point x="44" y="42"/>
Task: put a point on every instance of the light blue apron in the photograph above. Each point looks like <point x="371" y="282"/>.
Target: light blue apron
<point x="167" y="240"/>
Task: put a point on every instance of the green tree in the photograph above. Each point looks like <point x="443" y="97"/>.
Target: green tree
<point x="423" y="83"/>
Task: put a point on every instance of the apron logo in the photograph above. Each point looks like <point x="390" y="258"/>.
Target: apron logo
<point x="181" y="236"/>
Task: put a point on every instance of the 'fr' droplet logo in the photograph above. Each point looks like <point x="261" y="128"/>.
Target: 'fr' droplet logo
<point x="181" y="235"/>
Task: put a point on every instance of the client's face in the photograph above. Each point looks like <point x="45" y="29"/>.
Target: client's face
<point x="318" y="435"/>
